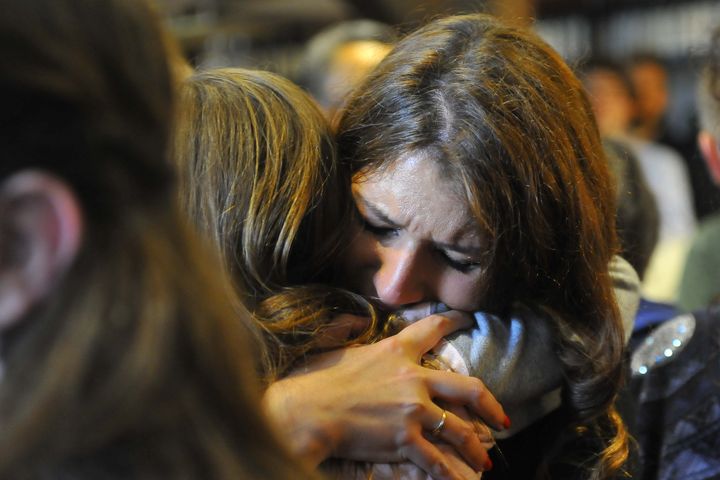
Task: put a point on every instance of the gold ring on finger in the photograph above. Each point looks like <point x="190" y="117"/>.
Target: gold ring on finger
<point x="438" y="428"/>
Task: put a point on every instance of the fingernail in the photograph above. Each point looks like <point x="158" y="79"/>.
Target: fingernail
<point x="488" y="465"/>
<point x="506" y="422"/>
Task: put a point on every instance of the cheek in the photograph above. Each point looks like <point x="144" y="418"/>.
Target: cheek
<point x="359" y="262"/>
<point x="461" y="292"/>
<point x="361" y="251"/>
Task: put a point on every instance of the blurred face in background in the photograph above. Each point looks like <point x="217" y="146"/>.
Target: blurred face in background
<point x="651" y="86"/>
<point x="351" y="63"/>
<point x="611" y="101"/>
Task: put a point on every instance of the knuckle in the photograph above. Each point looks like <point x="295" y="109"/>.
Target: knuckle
<point x="440" y="470"/>
<point x="412" y="376"/>
<point x="407" y="372"/>
<point x="465" y="435"/>
<point x="441" y="321"/>
<point x="414" y="409"/>
<point x="478" y="391"/>
<point x="405" y="439"/>
<point x="394" y="344"/>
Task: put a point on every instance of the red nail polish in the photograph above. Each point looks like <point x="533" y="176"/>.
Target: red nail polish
<point x="488" y="465"/>
<point x="506" y="422"/>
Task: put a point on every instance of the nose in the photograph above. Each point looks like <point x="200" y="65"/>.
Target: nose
<point x="399" y="280"/>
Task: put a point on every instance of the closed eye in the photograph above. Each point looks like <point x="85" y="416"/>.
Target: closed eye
<point x="463" y="266"/>
<point x="380" y="231"/>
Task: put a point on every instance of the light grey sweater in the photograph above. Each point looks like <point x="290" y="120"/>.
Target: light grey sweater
<point x="516" y="359"/>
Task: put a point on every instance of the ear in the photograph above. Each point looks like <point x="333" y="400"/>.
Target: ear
<point x="709" y="149"/>
<point x="40" y="234"/>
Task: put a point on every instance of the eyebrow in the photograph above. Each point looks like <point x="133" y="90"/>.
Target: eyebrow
<point x="380" y="215"/>
<point x="470" y="251"/>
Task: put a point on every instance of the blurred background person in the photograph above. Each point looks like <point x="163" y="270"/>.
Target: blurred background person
<point x="611" y="95"/>
<point x="701" y="277"/>
<point x="650" y="80"/>
<point x="650" y="83"/>
<point x="337" y="59"/>
<point x="637" y="226"/>
<point x="614" y="101"/>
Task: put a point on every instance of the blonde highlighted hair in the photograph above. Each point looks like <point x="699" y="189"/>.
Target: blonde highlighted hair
<point x="256" y="161"/>
<point x="259" y="177"/>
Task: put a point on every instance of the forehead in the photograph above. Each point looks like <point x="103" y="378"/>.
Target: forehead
<point x="411" y="172"/>
<point x="649" y="70"/>
<point x="416" y="192"/>
<point x="606" y="81"/>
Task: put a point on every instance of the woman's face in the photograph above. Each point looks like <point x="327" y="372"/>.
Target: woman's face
<point x="418" y="241"/>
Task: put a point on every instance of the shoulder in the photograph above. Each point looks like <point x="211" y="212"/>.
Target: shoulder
<point x="663" y="346"/>
<point x="663" y="151"/>
<point x="653" y="155"/>
<point x="623" y="274"/>
<point x="675" y="388"/>
<point x="677" y="365"/>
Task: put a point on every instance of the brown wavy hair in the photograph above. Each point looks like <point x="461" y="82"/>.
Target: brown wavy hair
<point x="136" y="365"/>
<point x="259" y="177"/>
<point x="513" y="128"/>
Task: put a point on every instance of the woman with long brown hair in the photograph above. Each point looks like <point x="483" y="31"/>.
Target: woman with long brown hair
<point x="481" y="181"/>
<point x="122" y="354"/>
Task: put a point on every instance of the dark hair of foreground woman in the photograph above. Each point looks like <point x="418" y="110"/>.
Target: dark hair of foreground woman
<point x="130" y="362"/>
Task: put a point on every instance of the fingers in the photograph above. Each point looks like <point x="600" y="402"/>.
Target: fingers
<point x="462" y="435"/>
<point x="422" y="335"/>
<point x="484" y="435"/>
<point x="457" y="463"/>
<point x="455" y="388"/>
<point x="435" y="463"/>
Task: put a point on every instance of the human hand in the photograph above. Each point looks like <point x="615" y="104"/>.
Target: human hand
<point x="375" y="403"/>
